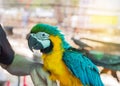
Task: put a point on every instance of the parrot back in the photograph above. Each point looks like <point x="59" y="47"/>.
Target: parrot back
<point x="82" y="68"/>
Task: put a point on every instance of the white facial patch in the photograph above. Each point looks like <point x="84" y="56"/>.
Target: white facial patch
<point x="42" y="35"/>
<point x="42" y="38"/>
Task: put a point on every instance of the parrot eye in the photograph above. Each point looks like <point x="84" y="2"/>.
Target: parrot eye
<point x="42" y="35"/>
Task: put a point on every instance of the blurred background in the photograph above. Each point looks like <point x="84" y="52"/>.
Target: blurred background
<point x="93" y="22"/>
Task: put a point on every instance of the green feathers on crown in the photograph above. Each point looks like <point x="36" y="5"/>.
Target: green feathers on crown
<point x="52" y="30"/>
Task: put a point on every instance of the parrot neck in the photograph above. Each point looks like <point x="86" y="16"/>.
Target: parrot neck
<point x="55" y="55"/>
<point x="56" y="45"/>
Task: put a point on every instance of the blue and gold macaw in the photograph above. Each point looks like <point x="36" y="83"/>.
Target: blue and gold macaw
<point x="63" y="62"/>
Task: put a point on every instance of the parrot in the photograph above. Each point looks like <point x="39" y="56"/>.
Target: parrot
<point x="60" y="59"/>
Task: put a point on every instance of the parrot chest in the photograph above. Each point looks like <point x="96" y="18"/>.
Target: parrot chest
<point x="53" y="62"/>
<point x="59" y="71"/>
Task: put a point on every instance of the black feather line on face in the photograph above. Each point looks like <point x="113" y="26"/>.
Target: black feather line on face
<point x="48" y="49"/>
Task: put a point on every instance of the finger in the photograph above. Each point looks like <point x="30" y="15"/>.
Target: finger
<point x="46" y="76"/>
<point x="38" y="81"/>
<point x="42" y="73"/>
<point x="51" y="83"/>
<point x="55" y="83"/>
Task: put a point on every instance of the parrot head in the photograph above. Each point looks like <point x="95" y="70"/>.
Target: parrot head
<point x="45" y="38"/>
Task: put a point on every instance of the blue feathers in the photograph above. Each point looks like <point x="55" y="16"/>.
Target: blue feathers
<point x="82" y="68"/>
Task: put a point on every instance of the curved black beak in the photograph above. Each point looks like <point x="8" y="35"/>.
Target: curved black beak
<point x="33" y="43"/>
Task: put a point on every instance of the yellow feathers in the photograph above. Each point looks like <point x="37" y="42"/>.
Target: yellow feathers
<point x="54" y="58"/>
<point x="53" y="63"/>
<point x="57" y="43"/>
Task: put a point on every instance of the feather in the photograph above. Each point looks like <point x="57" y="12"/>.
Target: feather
<point x="82" y="68"/>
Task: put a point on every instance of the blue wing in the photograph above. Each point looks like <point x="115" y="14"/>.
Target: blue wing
<point x="82" y="68"/>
